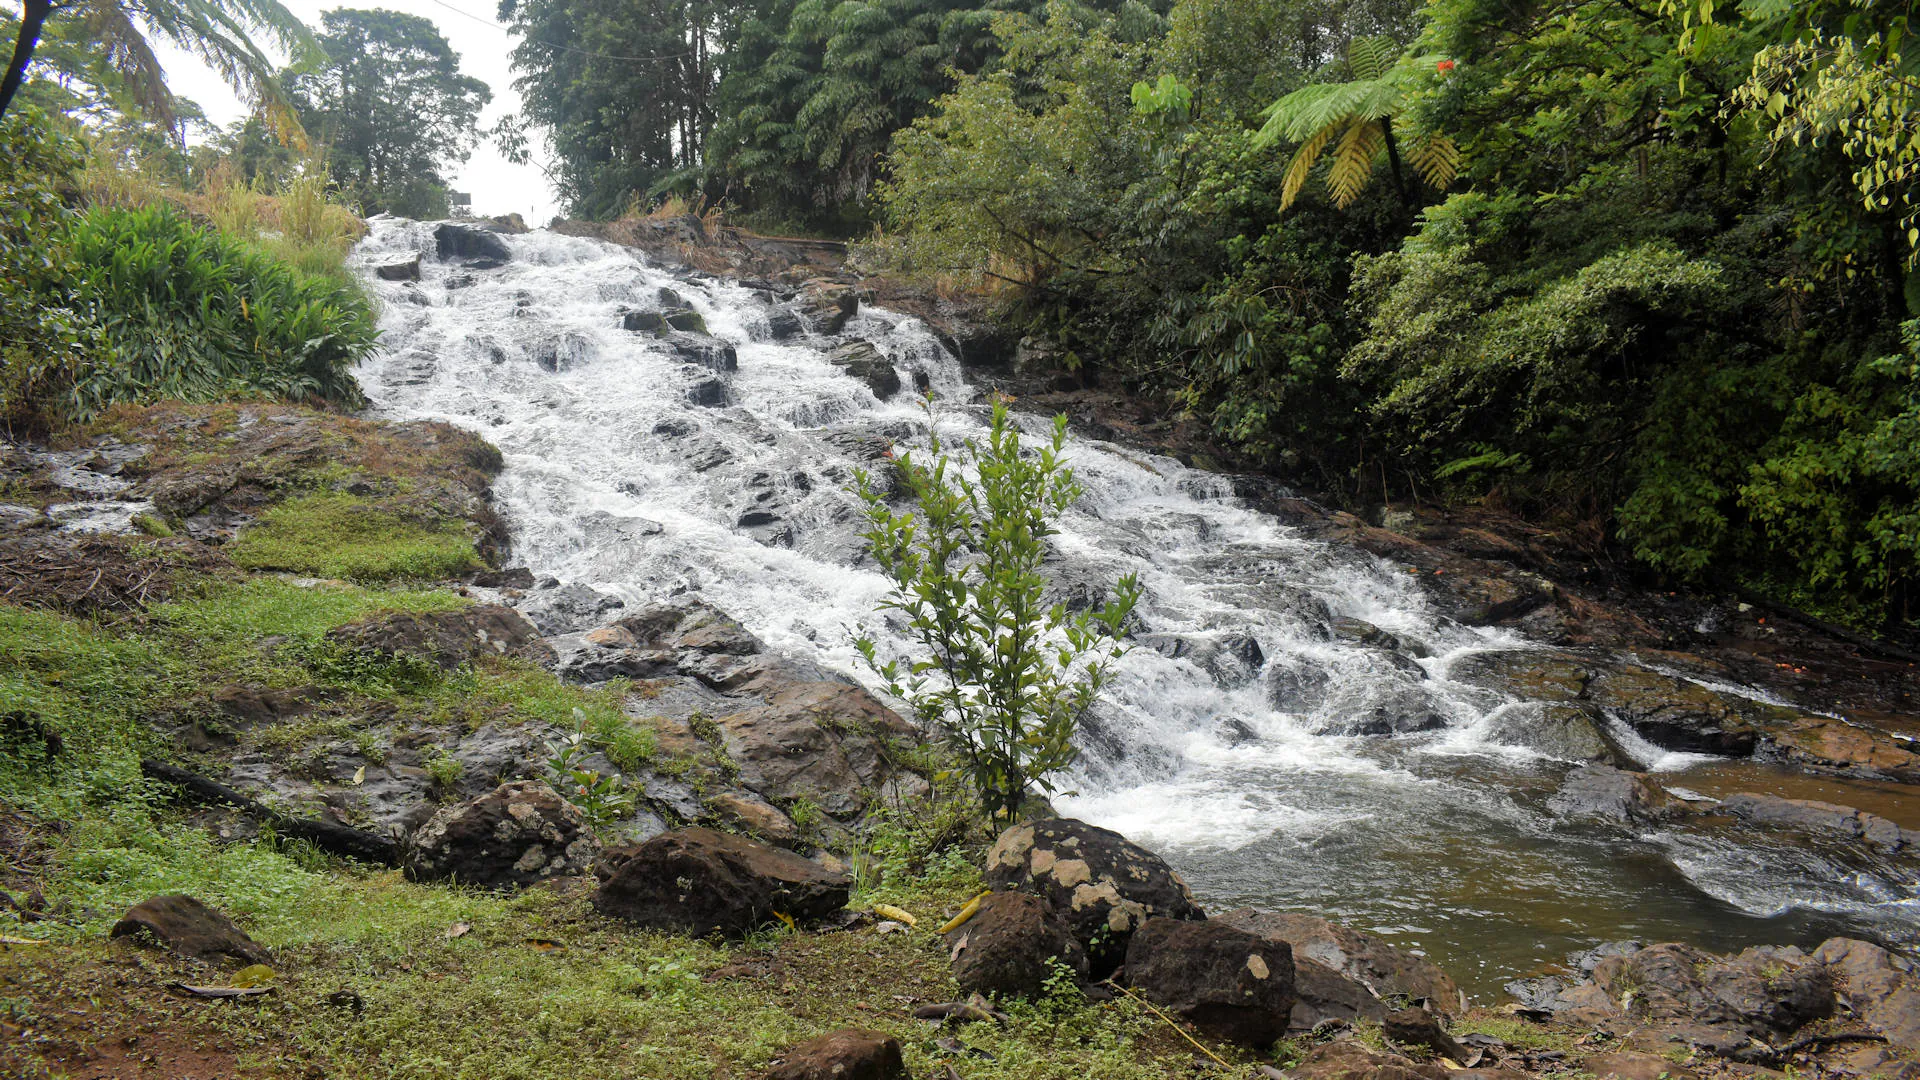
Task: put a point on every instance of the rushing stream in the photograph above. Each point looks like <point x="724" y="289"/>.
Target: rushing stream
<point x="1225" y="747"/>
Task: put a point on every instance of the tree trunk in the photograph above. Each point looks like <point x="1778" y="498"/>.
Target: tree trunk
<point x="1393" y="159"/>
<point x="33" y="16"/>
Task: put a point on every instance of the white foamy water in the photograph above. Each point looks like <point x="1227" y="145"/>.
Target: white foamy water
<point x="1231" y="743"/>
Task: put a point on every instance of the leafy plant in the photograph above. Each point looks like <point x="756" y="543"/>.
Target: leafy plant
<point x="604" y="800"/>
<point x="1005" y="676"/>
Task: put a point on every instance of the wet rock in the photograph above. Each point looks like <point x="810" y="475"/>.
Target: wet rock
<point x="1719" y="1004"/>
<point x="568" y="609"/>
<point x="453" y="241"/>
<point x="1604" y="791"/>
<point x="1569" y="732"/>
<point x="669" y="298"/>
<point x="405" y="270"/>
<point x="1295" y="685"/>
<point x="819" y="741"/>
<point x="1879" y="987"/>
<point x="185" y="926"/>
<point x="1808" y="815"/>
<point x="708" y="393"/>
<point x="852" y="1054"/>
<point x="1835" y="745"/>
<point x="702" y="882"/>
<point x="1361" y="632"/>
<point x="749" y="813"/>
<point x="447" y="639"/>
<point x="864" y="362"/>
<point x="644" y="322"/>
<point x="709" y="352"/>
<point x="783" y="324"/>
<point x="1230" y="983"/>
<point x="1672" y="712"/>
<point x="1005" y="949"/>
<point x="513" y="836"/>
<point x="1366" y="968"/>
<point x="1231" y="658"/>
<point x="1103" y="885"/>
<point x="685" y="319"/>
<point x="1348" y="1060"/>
<point x="514" y="577"/>
<point x="1529" y="674"/>
<point x="828" y="306"/>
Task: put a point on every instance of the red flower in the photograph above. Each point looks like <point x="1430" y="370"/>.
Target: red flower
<point x="1445" y="66"/>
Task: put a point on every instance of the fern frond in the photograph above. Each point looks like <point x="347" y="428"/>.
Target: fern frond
<point x="1353" y="161"/>
<point x="1436" y="158"/>
<point x="1302" y="164"/>
<point x="1371" y="57"/>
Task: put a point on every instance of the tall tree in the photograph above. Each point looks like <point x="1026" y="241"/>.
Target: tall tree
<point x="223" y="33"/>
<point x="392" y="107"/>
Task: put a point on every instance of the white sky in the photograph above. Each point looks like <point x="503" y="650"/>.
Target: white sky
<point x="483" y="45"/>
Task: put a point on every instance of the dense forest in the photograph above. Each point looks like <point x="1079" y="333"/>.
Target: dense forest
<point x="1636" y="270"/>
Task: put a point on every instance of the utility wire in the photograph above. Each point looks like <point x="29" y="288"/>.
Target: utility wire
<point x="562" y="48"/>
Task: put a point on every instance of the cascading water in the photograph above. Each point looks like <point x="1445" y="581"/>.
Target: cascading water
<point x="1243" y="741"/>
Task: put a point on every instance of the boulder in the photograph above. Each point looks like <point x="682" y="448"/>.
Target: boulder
<point x="567" y="608"/>
<point x="686" y="320"/>
<point x="708" y="352"/>
<point x="1811" y="816"/>
<point x="446" y="639"/>
<point x="1230" y="983"/>
<point x="752" y="814"/>
<point x="1674" y="713"/>
<point x="1340" y="973"/>
<point x="1416" y="1028"/>
<point x="701" y="882"/>
<point x="1566" y="731"/>
<point x="404" y="270"/>
<point x="453" y="241"/>
<point x="1879" y="987"/>
<point x="641" y="322"/>
<point x="783" y="324"/>
<point x="1103" y="885"/>
<point x="1531" y="674"/>
<point x="1838" y="746"/>
<point x="708" y="393"/>
<point x="513" y="836"/>
<point x="1720" y="1004"/>
<point x="852" y="1054"/>
<point x="866" y="363"/>
<point x="185" y="926"/>
<point x="1005" y="949"/>
<point x="1348" y="1060"/>
<point x="1604" y="791"/>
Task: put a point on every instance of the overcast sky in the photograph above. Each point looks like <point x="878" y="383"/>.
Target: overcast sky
<point x="483" y="44"/>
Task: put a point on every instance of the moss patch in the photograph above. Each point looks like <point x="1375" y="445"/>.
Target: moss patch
<point x="348" y="536"/>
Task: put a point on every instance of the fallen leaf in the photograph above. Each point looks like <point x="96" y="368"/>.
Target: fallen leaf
<point x="253" y="975"/>
<point x="458" y="929"/>
<point x="359" y="776"/>
<point x="786" y="918"/>
<point x="543" y="945"/>
<point x="899" y="915"/>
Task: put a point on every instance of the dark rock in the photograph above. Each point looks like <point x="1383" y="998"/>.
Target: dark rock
<point x="517" y="577"/>
<point x="1567" y="731"/>
<point x="1416" y="1028"/>
<point x="783" y="324"/>
<point x="982" y="344"/>
<point x="853" y="1054"/>
<point x="513" y="836"/>
<point x="1233" y="984"/>
<point x="467" y="242"/>
<point x="708" y="393"/>
<point x="1348" y="1060"/>
<point x="185" y="926"/>
<point x="1526" y="673"/>
<point x="643" y="321"/>
<point x="866" y="363"/>
<point x="669" y="298"/>
<point x="702" y="882"/>
<point x="408" y="270"/>
<point x="1879" y="987"/>
<point x="1005" y="948"/>
<point x="1232" y="658"/>
<point x="1672" y="712"/>
<point x="484" y="264"/>
<point x="447" y="639"/>
<point x="1719" y="1003"/>
<point x="1355" y="970"/>
<point x="568" y="609"/>
<point x="687" y="320"/>
<point x="708" y="352"/>
<point x="1103" y="885"/>
<point x="1604" y="791"/>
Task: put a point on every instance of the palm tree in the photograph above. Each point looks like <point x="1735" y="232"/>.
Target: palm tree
<point x="220" y="32"/>
<point x="1359" y="114"/>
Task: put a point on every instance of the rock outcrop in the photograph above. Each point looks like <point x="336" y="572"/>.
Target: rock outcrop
<point x="852" y="1054"/>
<point x="446" y="639"/>
<point x="185" y="926"/>
<point x="1345" y="974"/>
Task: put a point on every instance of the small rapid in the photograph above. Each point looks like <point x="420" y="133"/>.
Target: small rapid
<point x="1273" y="761"/>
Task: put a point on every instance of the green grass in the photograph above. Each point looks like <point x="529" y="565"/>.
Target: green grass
<point x="346" y="536"/>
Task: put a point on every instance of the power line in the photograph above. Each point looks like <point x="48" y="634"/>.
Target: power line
<point x="563" y="48"/>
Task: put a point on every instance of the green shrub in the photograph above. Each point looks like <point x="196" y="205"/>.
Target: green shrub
<point x="347" y="536"/>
